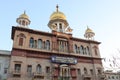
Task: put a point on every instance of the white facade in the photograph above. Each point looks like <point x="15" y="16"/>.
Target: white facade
<point x="4" y="63"/>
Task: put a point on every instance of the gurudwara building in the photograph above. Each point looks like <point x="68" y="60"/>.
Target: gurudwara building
<point x="38" y="55"/>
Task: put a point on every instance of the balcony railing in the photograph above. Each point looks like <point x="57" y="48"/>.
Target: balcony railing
<point x="16" y="72"/>
<point x="87" y="76"/>
<point x="101" y="76"/>
<point x="15" y="79"/>
<point x="38" y="74"/>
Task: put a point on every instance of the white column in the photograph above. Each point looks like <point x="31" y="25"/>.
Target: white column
<point x="57" y="26"/>
<point x="63" y="27"/>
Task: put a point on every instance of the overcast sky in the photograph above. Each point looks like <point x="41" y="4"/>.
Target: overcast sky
<point x="102" y="16"/>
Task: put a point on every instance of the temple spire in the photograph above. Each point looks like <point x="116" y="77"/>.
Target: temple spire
<point x="57" y="8"/>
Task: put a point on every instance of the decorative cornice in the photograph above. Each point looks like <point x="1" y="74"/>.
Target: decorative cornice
<point x="55" y="54"/>
<point x="84" y="40"/>
<point x="14" y="28"/>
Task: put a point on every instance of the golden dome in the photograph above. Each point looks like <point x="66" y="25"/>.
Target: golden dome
<point x="88" y="30"/>
<point x="57" y="15"/>
<point x="24" y="15"/>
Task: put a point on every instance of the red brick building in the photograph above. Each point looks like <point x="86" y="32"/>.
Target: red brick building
<point x="38" y="55"/>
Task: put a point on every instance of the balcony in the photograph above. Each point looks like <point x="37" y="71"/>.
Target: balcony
<point x="88" y="76"/>
<point x="73" y="75"/>
<point x="38" y="75"/>
<point x="14" y="79"/>
<point x="16" y="73"/>
<point x="101" y="76"/>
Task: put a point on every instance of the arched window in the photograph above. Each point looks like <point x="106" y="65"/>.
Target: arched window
<point x="66" y="47"/>
<point x="108" y="77"/>
<point x="48" y="45"/>
<point x="65" y="72"/>
<point x="99" y="71"/>
<point x="85" y="71"/>
<point x="23" y="23"/>
<point x="62" y="46"/>
<point x="39" y="43"/>
<point x="44" y="47"/>
<point x="91" y="71"/>
<point x="31" y="43"/>
<point x="78" y="71"/>
<point x="20" y="22"/>
<point x="38" y="68"/>
<point x="21" y="38"/>
<point x="78" y="50"/>
<point x="60" y="27"/>
<point x="55" y="24"/>
<point x="35" y="44"/>
<point x="81" y="49"/>
<point x="75" y="48"/>
<point x="87" y="50"/>
<point x="96" y="52"/>
<point x="20" y="41"/>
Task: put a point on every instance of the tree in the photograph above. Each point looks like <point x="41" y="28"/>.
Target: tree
<point x="112" y="62"/>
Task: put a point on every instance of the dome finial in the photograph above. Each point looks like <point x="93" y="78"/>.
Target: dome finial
<point x="57" y="8"/>
<point x="24" y="11"/>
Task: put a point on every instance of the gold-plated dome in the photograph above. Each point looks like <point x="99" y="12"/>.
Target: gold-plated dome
<point x="88" y="30"/>
<point x="89" y="34"/>
<point x="57" y="15"/>
<point x="23" y="20"/>
<point x="24" y="15"/>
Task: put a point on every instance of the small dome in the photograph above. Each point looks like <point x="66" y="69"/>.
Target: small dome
<point x="23" y="20"/>
<point x="88" y="30"/>
<point x="57" y="15"/>
<point x="24" y="15"/>
<point x="89" y="34"/>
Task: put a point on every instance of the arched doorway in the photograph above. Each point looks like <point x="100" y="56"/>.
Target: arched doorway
<point x="64" y="72"/>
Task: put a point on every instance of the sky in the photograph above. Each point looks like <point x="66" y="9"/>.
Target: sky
<point x="102" y="16"/>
